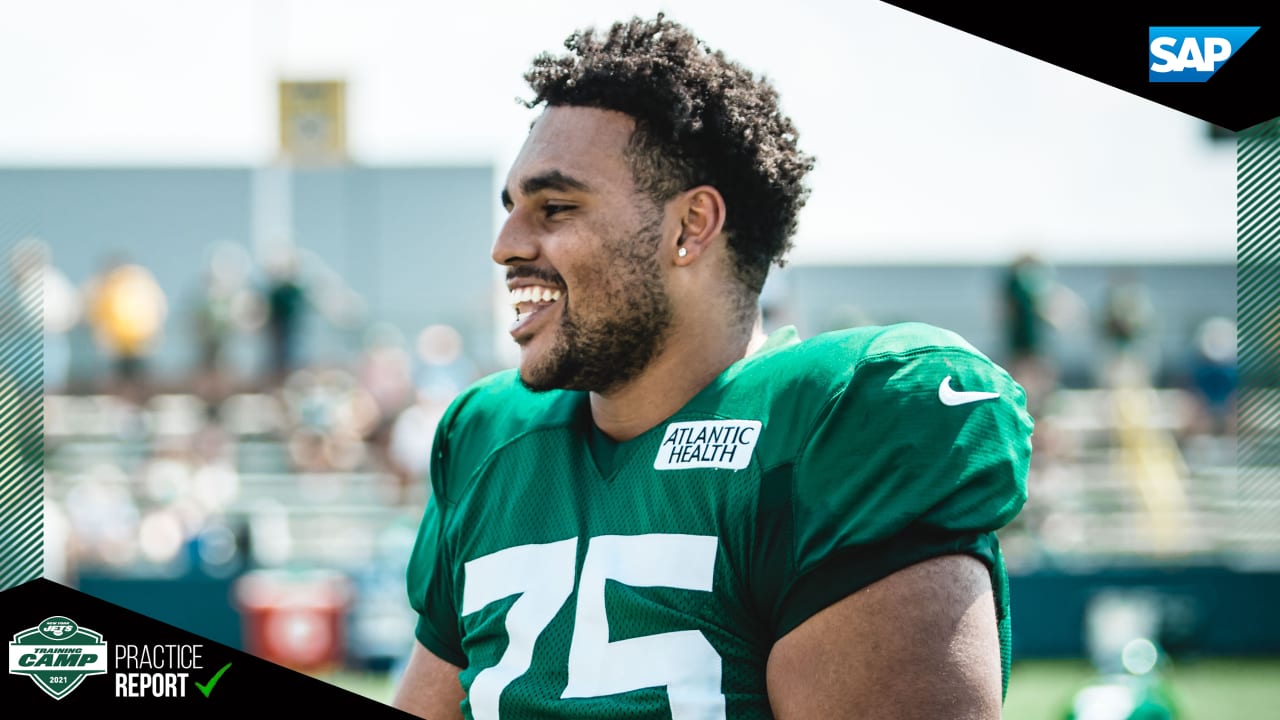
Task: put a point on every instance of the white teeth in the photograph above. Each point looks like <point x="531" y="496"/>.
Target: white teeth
<point x="533" y="294"/>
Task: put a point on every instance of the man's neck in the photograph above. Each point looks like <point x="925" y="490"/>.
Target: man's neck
<point x="688" y="363"/>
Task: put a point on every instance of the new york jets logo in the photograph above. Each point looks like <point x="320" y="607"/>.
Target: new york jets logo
<point x="58" y="628"/>
<point x="58" y="654"/>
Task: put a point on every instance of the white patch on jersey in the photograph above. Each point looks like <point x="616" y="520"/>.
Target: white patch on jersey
<point x="726" y="444"/>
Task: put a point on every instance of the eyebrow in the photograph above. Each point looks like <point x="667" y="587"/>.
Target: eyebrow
<point x="551" y="180"/>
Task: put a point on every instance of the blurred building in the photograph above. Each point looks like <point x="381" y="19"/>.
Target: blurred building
<point x="402" y="245"/>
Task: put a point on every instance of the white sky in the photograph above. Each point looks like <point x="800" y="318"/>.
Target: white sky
<point x="932" y="144"/>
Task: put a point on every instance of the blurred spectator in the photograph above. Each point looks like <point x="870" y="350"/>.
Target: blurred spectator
<point x="330" y="415"/>
<point x="126" y="308"/>
<point x="1026" y="287"/>
<point x="50" y="300"/>
<point x="446" y="370"/>
<point x="385" y="368"/>
<point x="1034" y="302"/>
<point x="216" y="318"/>
<point x="385" y="371"/>
<point x="409" y="446"/>
<point x="1214" y="373"/>
<point x="286" y="307"/>
<point x="1128" y="322"/>
<point x="298" y="282"/>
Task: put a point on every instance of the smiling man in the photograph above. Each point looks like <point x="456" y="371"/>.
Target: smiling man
<point x="665" y="513"/>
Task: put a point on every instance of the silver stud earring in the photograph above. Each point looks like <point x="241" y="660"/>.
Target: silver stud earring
<point x="682" y="252"/>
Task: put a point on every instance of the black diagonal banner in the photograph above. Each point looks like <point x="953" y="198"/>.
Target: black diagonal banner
<point x="1214" y="61"/>
<point x="71" y="653"/>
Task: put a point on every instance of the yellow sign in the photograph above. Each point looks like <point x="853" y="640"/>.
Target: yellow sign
<point x="313" y="121"/>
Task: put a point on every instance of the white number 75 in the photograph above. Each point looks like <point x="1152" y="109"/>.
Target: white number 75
<point x="684" y="662"/>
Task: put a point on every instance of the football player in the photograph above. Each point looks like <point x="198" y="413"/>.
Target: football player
<point x="664" y="512"/>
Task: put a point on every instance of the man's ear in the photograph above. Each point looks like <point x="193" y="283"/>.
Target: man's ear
<point x="702" y="217"/>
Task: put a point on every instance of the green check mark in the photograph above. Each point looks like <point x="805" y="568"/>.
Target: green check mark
<point x="207" y="688"/>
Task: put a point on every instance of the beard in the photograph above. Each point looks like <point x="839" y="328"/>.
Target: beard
<point x="613" y="340"/>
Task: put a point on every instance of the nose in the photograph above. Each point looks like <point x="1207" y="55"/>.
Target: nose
<point x="515" y="243"/>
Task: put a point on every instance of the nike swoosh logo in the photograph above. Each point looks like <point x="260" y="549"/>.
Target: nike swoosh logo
<point x="961" y="397"/>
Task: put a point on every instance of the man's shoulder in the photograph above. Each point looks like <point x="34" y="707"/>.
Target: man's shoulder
<point x="833" y="358"/>
<point x="797" y="387"/>
<point x="899" y="365"/>
<point x="903" y="337"/>
<point x="501" y="405"/>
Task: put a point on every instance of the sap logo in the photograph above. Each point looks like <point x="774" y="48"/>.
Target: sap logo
<point x="1192" y="54"/>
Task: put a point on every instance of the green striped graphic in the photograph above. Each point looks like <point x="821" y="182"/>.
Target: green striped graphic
<point x="1257" y="496"/>
<point x="21" y="414"/>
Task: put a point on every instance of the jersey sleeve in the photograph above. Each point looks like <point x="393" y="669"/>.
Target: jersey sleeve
<point x="923" y="453"/>
<point x="429" y="576"/>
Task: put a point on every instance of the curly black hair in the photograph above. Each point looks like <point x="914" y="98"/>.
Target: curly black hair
<point x="700" y="119"/>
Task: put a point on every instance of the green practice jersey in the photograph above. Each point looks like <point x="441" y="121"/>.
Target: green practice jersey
<point x="652" y="581"/>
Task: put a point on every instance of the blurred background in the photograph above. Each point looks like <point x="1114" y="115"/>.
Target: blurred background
<point x="256" y="233"/>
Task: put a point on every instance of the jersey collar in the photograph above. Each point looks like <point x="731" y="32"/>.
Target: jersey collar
<point x="780" y="338"/>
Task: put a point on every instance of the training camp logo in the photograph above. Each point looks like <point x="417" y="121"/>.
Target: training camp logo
<point x="1192" y="54"/>
<point x="58" y="655"/>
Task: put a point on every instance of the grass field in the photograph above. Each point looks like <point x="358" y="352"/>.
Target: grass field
<point x="1209" y="689"/>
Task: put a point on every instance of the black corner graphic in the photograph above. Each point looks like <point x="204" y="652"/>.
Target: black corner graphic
<point x="72" y="653"/>
<point x="1111" y="43"/>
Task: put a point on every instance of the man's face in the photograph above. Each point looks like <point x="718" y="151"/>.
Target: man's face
<point x="581" y="248"/>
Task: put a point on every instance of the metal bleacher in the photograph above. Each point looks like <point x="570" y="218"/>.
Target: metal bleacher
<point x="330" y="518"/>
<point x="1125" y="477"/>
<point x="1115" y="478"/>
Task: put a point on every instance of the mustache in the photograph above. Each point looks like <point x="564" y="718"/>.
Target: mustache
<point x="549" y="277"/>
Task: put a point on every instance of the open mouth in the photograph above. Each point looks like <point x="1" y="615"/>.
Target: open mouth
<point x="531" y="302"/>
